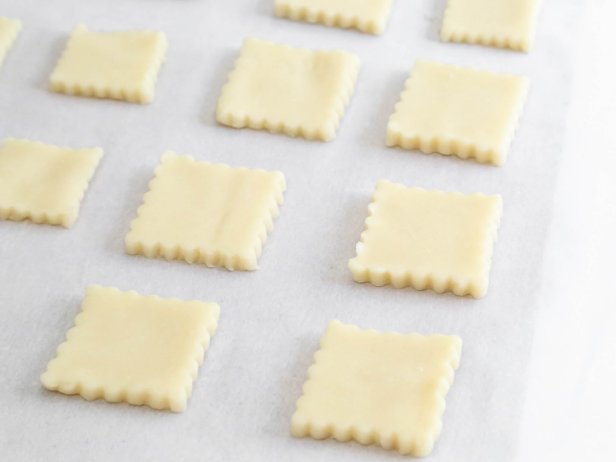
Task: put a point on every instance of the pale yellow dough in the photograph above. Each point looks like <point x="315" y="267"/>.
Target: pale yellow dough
<point x="367" y="15"/>
<point x="133" y="348"/>
<point x="9" y="29"/>
<point x="378" y="388"/>
<point x="206" y="213"/>
<point x="502" y="23"/>
<point x="117" y="65"/>
<point x="294" y="91"/>
<point x="455" y="110"/>
<point x="428" y="240"/>
<point x="44" y="183"/>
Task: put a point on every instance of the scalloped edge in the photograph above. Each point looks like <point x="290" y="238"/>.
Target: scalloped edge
<point x="208" y="257"/>
<point x="334" y="16"/>
<point x="328" y="129"/>
<point x="136" y="394"/>
<point x="417" y="445"/>
<point x="450" y="33"/>
<point x="447" y="145"/>
<point x="143" y="93"/>
<point x="13" y="27"/>
<point x="68" y="218"/>
<point x="380" y="276"/>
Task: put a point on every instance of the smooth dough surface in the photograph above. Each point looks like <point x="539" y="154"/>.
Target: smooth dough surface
<point x="206" y="213"/>
<point x="133" y="348"/>
<point x="455" y="110"/>
<point x="366" y="15"/>
<point x="428" y="240"/>
<point x="9" y="29"/>
<point x="118" y="65"/>
<point x="294" y="91"/>
<point x="378" y="388"/>
<point x="502" y="23"/>
<point x="44" y="183"/>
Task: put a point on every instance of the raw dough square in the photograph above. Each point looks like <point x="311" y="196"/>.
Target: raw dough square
<point x="428" y="240"/>
<point x="9" y="29"/>
<point x="44" y="183"/>
<point x="502" y="23"/>
<point x="378" y="388"/>
<point x="116" y="65"/>
<point x="206" y="213"/>
<point x="455" y="110"/>
<point x="295" y="91"/>
<point x="367" y="15"/>
<point x="132" y="348"/>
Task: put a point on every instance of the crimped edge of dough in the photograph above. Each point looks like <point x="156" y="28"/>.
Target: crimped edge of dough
<point x="66" y="219"/>
<point x="447" y="145"/>
<point x="334" y="17"/>
<point x="520" y="42"/>
<point x="135" y="395"/>
<point x="380" y="276"/>
<point x="326" y="132"/>
<point x="143" y="93"/>
<point x="416" y="445"/>
<point x="211" y="258"/>
<point x="13" y="31"/>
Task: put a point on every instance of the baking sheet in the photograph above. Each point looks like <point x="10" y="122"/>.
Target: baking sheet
<point x="271" y="320"/>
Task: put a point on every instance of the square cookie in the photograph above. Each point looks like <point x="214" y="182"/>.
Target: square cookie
<point x="367" y="16"/>
<point x="9" y="29"/>
<point x="132" y="348"/>
<point x="294" y="91"/>
<point x="428" y="240"/>
<point x="455" y="110"/>
<point x="44" y="183"/>
<point x="206" y="213"/>
<point x="116" y="65"/>
<point x="502" y="23"/>
<point x="378" y="388"/>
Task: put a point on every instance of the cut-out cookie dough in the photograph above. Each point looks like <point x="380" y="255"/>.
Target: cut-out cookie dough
<point x="116" y="65"/>
<point x="9" y="29"/>
<point x="44" y="183"/>
<point x="428" y="240"/>
<point x="378" y="388"/>
<point x="455" y="110"/>
<point x="502" y="23"/>
<point x="206" y="213"/>
<point x="295" y="91"/>
<point x="133" y="348"/>
<point x="368" y="16"/>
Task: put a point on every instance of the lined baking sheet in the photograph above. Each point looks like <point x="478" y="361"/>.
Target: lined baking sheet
<point x="271" y="320"/>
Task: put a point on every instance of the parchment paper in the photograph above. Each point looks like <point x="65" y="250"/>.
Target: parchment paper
<point x="272" y="319"/>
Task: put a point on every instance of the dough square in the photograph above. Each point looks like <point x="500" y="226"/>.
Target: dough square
<point x="9" y="29"/>
<point x="117" y="65"/>
<point x="133" y="348"/>
<point x="428" y="240"/>
<point x="502" y="23"/>
<point x="206" y="213"/>
<point x="294" y="91"/>
<point x="378" y="388"/>
<point x="44" y="183"/>
<point x="460" y="111"/>
<point x="367" y="16"/>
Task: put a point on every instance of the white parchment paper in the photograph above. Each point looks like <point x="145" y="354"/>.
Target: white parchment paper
<point x="272" y="319"/>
